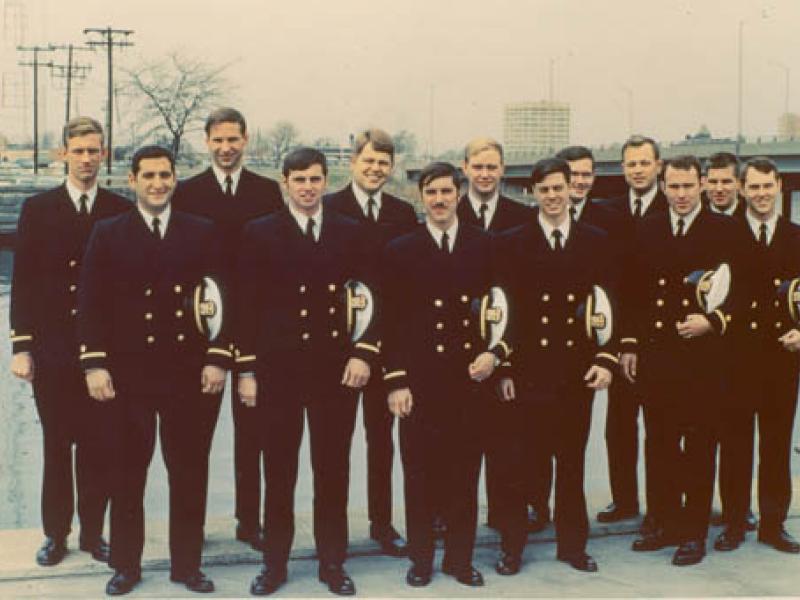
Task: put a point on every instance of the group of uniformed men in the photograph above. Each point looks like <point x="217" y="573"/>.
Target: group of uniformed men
<point x="103" y="326"/>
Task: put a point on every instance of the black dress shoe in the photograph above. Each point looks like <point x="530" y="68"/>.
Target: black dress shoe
<point x="392" y="543"/>
<point x="537" y="519"/>
<point x="251" y="535"/>
<point x="689" y="553"/>
<point x="653" y="541"/>
<point x="195" y="582"/>
<point x="508" y="564"/>
<point x="338" y="580"/>
<point x="99" y="549"/>
<point x="750" y="521"/>
<point x="439" y="528"/>
<point x="613" y="513"/>
<point x="469" y="575"/>
<point x="780" y="540"/>
<point x="267" y="582"/>
<point x="52" y="552"/>
<point x="418" y="576"/>
<point x="730" y="539"/>
<point x="123" y="581"/>
<point x="580" y="561"/>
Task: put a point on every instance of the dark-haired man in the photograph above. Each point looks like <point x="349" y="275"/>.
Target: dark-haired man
<point x="144" y="357"/>
<point x="298" y="360"/>
<point x="52" y="233"/>
<point x="765" y="374"/>
<point x="384" y="217"/>
<point x="230" y="195"/>
<point x="722" y="185"/>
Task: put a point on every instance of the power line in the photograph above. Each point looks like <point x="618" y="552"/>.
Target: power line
<point x="35" y="64"/>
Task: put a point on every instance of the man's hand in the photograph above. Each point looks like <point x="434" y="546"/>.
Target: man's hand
<point x="212" y="379"/>
<point x="482" y="367"/>
<point x="695" y="325"/>
<point x="100" y="386"/>
<point x="790" y="340"/>
<point x="507" y="391"/>
<point x="22" y="366"/>
<point x="356" y="373"/>
<point x="597" y="377"/>
<point x="400" y="402"/>
<point x="247" y="389"/>
<point x="628" y="362"/>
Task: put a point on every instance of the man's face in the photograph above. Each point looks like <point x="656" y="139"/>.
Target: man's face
<point x="153" y="184"/>
<point x="640" y="167"/>
<point x="440" y="198"/>
<point x="305" y="188"/>
<point x="371" y="169"/>
<point x="226" y="144"/>
<point x="721" y="187"/>
<point x="484" y="171"/>
<point x="761" y="191"/>
<point x="83" y="156"/>
<point x="552" y="196"/>
<point x="682" y="188"/>
<point x="581" y="178"/>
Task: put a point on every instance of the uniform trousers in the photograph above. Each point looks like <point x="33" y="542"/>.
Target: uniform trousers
<point x="70" y="418"/>
<point x="622" y="442"/>
<point x="378" y="425"/>
<point x="247" y="451"/>
<point x="286" y="397"/>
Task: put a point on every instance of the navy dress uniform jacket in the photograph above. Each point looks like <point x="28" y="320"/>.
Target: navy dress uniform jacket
<point x="508" y="213"/>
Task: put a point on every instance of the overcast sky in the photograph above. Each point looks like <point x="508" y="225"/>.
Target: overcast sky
<point x="333" y="67"/>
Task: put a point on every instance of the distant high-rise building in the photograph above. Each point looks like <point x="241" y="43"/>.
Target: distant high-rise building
<point x="535" y="127"/>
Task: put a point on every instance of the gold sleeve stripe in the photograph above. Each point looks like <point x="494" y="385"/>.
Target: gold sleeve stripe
<point x="370" y="347"/>
<point x="723" y="321"/>
<point x="394" y="375"/>
<point x="85" y="355"/>
<point x="629" y="341"/>
<point x="21" y="338"/>
<point x="608" y="356"/>
<point x="505" y="347"/>
<point x="219" y="351"/>
<point x="505" y="364"/>
<point x="248" y="358"/>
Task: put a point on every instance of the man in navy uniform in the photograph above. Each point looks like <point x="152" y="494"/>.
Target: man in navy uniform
<point x="435" y="365"/>
<point x="722" y="185"/>
<point x="384" y="217"/>
<point x="548" y="268"/>
<point x="297" y="359"/>
<point x="672" y="347"/>
<point x="230" y="195"/>
<point x="641" y="165"/>
<point x="765" y="374"/>
<point x="144" y="356"/>
<point x="52" y="233"/>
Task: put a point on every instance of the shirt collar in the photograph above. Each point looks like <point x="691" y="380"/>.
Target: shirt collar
<point x="548" y="230"/>
<point x="437" y="233"/>
<point x="491" y="205"/>
<point x="687" y="219"/>
<point x="221" y="175"/>
<point x="755" y="225"/>
<point x="75" y="195"/>
<point x="727" y="211"/>
<point x="647" y="198"/>
<point x="302" y="219"/>
<point x="163" y="219"/>
<point x="578" y="207"/>
<point x="363" y="197"/>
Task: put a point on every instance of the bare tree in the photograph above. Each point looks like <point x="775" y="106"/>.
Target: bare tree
<point x="280" y="140"/>
<point x="177" y="94"/>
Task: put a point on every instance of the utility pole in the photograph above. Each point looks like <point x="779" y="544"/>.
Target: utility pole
<point x="69" y="71"/>
<point x="35" y="64"/>
<point x="107" y="39"/>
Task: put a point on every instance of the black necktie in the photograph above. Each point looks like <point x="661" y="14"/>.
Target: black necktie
<point x="157" y="228"/>
<point x="83" y="211"/>
<point x="310" y="229"/>
<point x="681" y="224"/>
<point x="445" y="243"/>
<point x="572" y="212"/>
<point x="228" y="185"/>
<point x="762" y="236"/>
<point x="371" y="204"/>
<point x="482" y="214"/>
<point x="557" y="240"/>
<point x="637" y="208"/>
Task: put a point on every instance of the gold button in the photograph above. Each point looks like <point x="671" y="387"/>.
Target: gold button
<point x="777" y="281"/>
<point x="545" y="320"/>
<point x="148" y="292"/>
<point x="544" y="342"/>
<point x="302" y="289"/>
<point x="148" y="316"/>
<point x="440" y="348"/>
<point x="331" y="287"/>
<point x="464" y="299"/>
<point x="570" y="320"/>
<point x="438" y="303"/>
<point x="304" y="312"/>
<point x="659" y="324"/>
<point x="305" y="335"/>
<point x="685" y="302"/>
<point x="73" y="311"/>
<point x="660" y="302"/>
<point x="728" y="318"/>
<point x="570" y="343"/>
<point x="440" y="326"/>
<point x="73" y="287"/>
<point x="545" y="297"/>
<point x="83" y="347"/>
<point x="662" y="282"/>
<point x="73" y="263"/>
<point x="180" y="337"/>
<point x="150" y="339"/>
<point x="570" y="297"/>
<point x="334" y="333"/>
<point x="777" y="302"/>
<point x="754" y="304"/>
<point x="237" y="352"/>
<point x="466" y="322"/>
<point x="753" y="325"/>
<point x="467" y="346"/>
<point x="179" y="313"/>
<point x="778" y="325"/>
<point x="177" y="289"/>
<point x="332" y="310"/>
